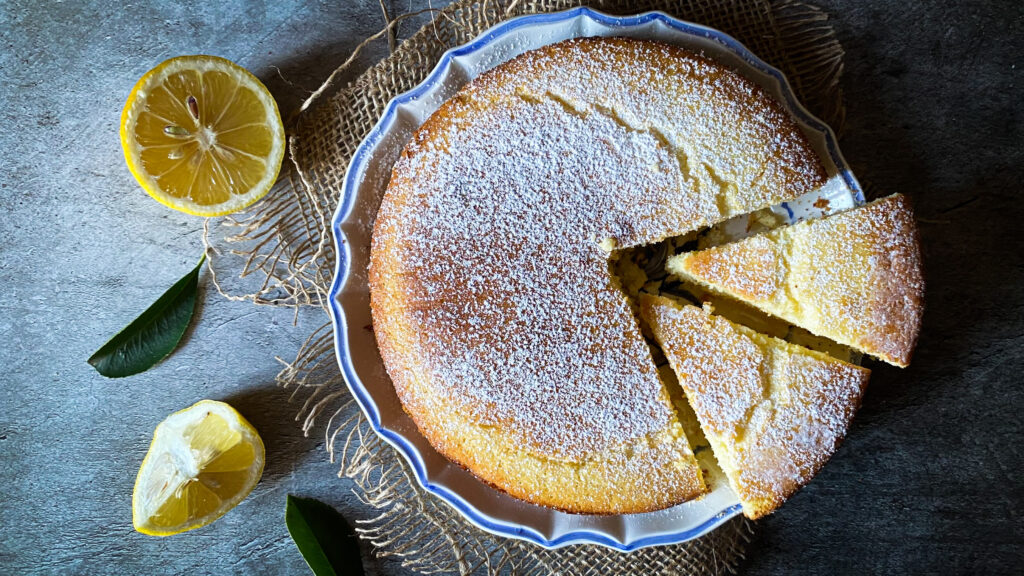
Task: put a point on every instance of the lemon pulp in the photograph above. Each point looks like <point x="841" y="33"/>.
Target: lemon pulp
<point x="202" y="462"/>
<point x="202" y="135"/>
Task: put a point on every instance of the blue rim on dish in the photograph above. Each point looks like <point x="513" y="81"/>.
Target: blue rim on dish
<point x="342" y="248"/>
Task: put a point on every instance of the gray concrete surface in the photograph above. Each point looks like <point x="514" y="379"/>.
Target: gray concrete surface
<point x="83" y="250"/>
<point x="927" y="482"/>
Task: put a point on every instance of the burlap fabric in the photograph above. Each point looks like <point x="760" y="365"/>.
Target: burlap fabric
<point x="286" y="246"/>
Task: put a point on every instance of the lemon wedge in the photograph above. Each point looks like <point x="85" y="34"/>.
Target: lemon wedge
<point x="202" y="135"/>
<point x="202" y="462"/>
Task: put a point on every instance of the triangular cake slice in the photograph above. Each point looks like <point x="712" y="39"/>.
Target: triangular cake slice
<point x="772" y="411"/>
<point x="853" y="277"/>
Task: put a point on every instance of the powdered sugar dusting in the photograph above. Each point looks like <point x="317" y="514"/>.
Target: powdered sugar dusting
<point x="774" y="412"/>
<point x="518" y="315"/>
<point x="854" y="277"/>
<point x="489" y="235"/>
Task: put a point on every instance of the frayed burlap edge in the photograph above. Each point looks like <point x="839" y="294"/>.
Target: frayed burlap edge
<point x="285" y="245"/>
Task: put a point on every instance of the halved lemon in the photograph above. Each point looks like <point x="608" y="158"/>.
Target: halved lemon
<point x="202" y="135"/>
<point x="202" y="462"/>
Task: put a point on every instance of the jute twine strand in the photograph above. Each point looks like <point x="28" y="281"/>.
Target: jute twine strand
<point x="284" y="244"/>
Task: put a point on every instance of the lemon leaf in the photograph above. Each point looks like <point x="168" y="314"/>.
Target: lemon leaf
<point x="154" y="334"/>
<point x="323" y="537"/>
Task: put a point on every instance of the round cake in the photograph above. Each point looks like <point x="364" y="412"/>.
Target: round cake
<point x="509" y="342"/>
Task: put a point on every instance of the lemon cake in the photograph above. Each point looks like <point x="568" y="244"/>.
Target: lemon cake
<point x="853" y="277"/>
<point x="509" y="343"/>
<point x="772" y="411"/>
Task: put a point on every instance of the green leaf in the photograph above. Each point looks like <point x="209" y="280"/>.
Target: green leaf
<point x="154" y="334"/>
<point x="324" y="538"/>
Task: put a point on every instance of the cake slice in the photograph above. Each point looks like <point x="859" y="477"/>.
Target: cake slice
<point x="773" y="412"/>
<point x="853" y="277"/>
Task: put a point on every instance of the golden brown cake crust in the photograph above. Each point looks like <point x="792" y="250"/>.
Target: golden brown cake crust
<point x="773" y="412"/>
<point x="854" y="277"/>
<point x="508" y="342"/>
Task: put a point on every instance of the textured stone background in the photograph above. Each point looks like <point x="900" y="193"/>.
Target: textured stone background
<point x="927" y="482"/>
